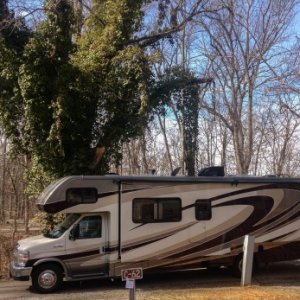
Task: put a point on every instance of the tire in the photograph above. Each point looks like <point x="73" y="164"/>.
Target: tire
<point x="237" y="267"/>
<point x="214" y="269"/>
<point x="47" y="278"/>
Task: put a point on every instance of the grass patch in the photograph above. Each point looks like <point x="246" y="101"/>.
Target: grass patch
<point x="236" y="293"/>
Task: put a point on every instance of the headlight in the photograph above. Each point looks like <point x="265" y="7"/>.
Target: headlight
<point x="21" y="257"/>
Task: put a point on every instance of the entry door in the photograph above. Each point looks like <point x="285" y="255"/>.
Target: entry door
<point x="86" y="254"/>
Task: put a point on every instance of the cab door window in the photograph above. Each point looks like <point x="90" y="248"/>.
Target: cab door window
<point x="90" y="227"/>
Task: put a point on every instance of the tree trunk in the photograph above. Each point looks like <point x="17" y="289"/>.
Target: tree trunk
<point x="163" y="129"/>
<point x="3" y="179"/>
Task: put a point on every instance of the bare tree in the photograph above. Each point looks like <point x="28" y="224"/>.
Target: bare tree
<point x="242" y="38"/>
<point x="162" y="124"/>
<point x="14" y="203"/>
<point x="211" y="141"/>
<point x="280" y="148"/>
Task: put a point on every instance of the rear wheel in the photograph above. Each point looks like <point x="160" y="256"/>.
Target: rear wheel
<point x="47" y="278"/>
<point x="214" y="269"/>
<point x="237" y="267"/>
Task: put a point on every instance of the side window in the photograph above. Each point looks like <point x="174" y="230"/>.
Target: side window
<point x="81" y="195"/>
<point x="90" y="227"/>
<point x="203" y="210"/>
<point x="152" y="210"/>
<point x="143" y="210"/>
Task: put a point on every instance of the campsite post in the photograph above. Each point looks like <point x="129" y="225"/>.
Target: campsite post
<point x="247" y="260"/>
<point x="130" y="275"/>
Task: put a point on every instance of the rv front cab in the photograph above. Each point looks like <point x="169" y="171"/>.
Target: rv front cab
<point x="72" y="250"/>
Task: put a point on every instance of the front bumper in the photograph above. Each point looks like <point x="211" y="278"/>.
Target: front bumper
<point x="20" y="273"/>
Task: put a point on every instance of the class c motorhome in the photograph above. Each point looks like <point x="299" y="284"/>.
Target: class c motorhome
<point x="159" y="224"/>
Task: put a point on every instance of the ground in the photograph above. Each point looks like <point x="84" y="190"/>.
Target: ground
<point x="278" y="281"/>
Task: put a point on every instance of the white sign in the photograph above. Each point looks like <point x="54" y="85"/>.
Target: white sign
<point x="132" y="274"/>
<point x="130" y="284"/>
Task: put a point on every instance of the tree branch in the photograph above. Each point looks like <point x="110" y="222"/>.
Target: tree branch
<point x="147" y="40"/>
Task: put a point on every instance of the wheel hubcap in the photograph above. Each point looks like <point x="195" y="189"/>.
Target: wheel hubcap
<point x="47" y="279"/>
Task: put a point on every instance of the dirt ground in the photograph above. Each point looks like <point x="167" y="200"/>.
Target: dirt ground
<point x="278" y="281"/>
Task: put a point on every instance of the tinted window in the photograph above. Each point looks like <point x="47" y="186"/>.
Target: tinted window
<point x="203" y="209"/>
<point x="81" y="195"/>
<point x="90" y="227"/>
<point x="150" y="210"/>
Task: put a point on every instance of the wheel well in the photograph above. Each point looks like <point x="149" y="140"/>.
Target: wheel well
<point x="260" y="248"/>
<point x="49" y="262"/>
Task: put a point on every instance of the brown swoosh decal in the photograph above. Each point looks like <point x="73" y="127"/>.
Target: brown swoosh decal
<point x="242" y="229"/>
<point x="63" y="204"/>
<point x="156" y="238"/>
<point x="68" y="256"/>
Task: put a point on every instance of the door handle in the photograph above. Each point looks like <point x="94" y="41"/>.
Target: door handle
<point x="58" y="246"/>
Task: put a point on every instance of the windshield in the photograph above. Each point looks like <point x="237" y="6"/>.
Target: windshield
<point x="60" y="228"/>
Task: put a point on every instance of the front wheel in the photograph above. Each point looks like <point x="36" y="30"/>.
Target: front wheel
<point x="47" y="278"/>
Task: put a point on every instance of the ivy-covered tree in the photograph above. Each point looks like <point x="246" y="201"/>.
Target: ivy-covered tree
<point x="75" y="95"/>
<point x="118" y="69"/>
<point x="179" y="89"/>
<point x="13" y="37"/>
<point x="76" y="102"/>
<point x="58" y="104"/>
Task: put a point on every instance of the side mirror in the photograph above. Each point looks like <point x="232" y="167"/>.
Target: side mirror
<point x="74" y="232"/>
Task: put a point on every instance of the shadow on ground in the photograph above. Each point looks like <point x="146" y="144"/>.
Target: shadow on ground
<point x="278" y="274"/>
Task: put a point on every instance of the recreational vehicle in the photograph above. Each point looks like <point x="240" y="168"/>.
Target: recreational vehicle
<point x="159" y="224"/>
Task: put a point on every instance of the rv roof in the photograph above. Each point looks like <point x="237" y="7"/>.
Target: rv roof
<point x="155" y="178"/>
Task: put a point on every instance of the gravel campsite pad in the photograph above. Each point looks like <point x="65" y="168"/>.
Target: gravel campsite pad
<point x="278" y="281"/>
